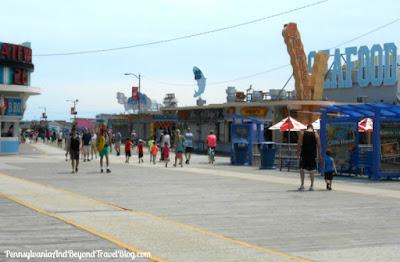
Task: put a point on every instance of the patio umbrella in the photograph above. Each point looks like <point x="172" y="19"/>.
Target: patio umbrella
<point x="365" y="125"/>
<point x="288" y="124"/>
<point x="316" y="124"/>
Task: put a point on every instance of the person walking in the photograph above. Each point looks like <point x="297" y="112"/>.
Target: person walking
<point x="162" y="144"/>
<point x="154" y="150"/>
<point x="307" y="152"/>
<point x="128" y="147"/>
<point x="60" y="137"/>
<point x="189" y="137"/>
<point x="118" y="140"/>
<point x="93" y="150"/>
<point x="166" y="154"/>
<point x="151" y="143"/>
<point x="179" y="147"/>
<point x="211" y="145"/>
<point x="86" y="138"/>
<point x="139" y="150"/>
<point x="327" y="168"/>
<point x="74" y="145"/>
<point x="105" y="132"/>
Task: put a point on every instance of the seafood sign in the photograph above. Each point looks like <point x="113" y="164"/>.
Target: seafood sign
<point x="201" y="81"/>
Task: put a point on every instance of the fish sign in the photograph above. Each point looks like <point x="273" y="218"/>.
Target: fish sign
<point x="201" y="81"/>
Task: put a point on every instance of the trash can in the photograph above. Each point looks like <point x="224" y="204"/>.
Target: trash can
<point x="267" y="151"/>
<point x="241" y="150"/>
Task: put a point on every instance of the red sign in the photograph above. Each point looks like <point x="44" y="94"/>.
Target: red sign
<point x="43" y="115"/>
<point x="135" y="93"/>
<point x="72" y="110"/>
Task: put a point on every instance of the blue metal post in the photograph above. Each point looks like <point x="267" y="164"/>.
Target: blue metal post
<point x="376" y="145"/>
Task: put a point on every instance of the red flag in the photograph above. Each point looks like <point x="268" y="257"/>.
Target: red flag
<point x="135" y="93"/>
<point x="72" y="110"/>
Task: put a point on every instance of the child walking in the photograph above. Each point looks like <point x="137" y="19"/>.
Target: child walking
<point x="128" y="146"/>
<point x="140" y="150"/>
<point x="154" y="150"/>
<point x="151" y="143"/>
<point x="328" y="169"/>
<point x="166" y="153"/>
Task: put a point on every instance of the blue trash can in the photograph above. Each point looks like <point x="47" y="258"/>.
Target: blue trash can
<point x="241" y="150"/>
<point x="268" y="150"/>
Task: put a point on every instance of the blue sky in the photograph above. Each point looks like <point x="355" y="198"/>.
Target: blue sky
<point x="94" y="79"/>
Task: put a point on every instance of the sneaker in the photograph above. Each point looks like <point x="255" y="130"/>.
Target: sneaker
<point x="187" y="162"/>
<point x="101" y="170"/>
<point x="330" y="188"/>
<point x="301" y="187"/>
<point x="311" y="188"/>
<point x="76" y="170"/>
<point x="108" y="171"/>
<point x="88" y="160"/>
<point x="327" y="186"/>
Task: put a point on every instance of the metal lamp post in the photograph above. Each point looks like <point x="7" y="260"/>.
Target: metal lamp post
<point x="138" y="77"/>
<point x="75" y="102"/>
<point x="45" y="113"/>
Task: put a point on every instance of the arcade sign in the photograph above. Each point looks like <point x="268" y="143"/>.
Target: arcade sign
<point x="18" y="61"/>
<point x="377" y="66"/>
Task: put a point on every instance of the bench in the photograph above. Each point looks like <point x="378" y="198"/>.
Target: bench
<point x="289" y="162"/>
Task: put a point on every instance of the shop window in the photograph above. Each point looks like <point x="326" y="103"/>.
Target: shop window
<point x="7" y="129"/>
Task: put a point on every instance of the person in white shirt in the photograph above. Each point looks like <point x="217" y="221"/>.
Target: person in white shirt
<point x="93" y="150"/>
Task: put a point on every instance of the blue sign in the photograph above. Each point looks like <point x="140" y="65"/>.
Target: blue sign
<point x="372" y="68"/>
<point x="14" y="107"/>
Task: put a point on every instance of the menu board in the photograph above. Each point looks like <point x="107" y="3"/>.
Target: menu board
<point x="341" y="141"/>
<point x="390" y="139"/>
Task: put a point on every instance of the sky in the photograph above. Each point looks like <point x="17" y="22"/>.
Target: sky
<point x="95" y="78"/>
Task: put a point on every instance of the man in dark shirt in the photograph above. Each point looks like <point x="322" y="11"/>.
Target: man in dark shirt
<point x="74" y="146"/>
<point x="86" y="138"/>
<point x="307" y="151"/>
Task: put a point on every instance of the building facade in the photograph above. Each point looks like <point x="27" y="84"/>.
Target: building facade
<point x="15" y="88"/>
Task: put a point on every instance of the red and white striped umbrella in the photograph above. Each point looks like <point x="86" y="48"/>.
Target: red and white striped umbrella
<point x="288" y="122"/>
<point x="365" y="125"/>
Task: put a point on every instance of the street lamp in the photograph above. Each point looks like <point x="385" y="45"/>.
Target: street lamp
<point x="45" y="113"/>
<point x="138" y="77"/>
<point x="75" y="102"/>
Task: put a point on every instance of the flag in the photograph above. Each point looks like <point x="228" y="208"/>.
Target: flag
<point x="135" y="93"/>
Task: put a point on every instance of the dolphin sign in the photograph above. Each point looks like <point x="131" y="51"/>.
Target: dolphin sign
<point x="201" y="81"/>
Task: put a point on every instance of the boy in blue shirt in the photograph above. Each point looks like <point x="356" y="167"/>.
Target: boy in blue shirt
<point x="328" y="168"/>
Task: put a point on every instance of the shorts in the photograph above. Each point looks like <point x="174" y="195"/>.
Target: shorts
<point x="128" y="153"/>
<point x="308" y="163"/>
<point x="74" y="154"/>
<point x="105" y="151"/>
<point x="329" y="175"/>
<point x="140" y="155"/>
<point x="86" y="149"/>
<point x="189" y="149"/>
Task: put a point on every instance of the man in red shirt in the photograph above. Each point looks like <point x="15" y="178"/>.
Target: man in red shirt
<point x="211" y="144"/>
